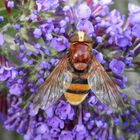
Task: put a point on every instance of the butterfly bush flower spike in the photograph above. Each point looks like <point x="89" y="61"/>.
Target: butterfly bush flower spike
<point x="40" y="42"/>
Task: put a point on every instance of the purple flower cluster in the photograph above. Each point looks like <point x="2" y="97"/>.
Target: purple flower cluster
<point x="62" y="121"/>
<point x="6" y="71"/>
<point x="39" y="47"/>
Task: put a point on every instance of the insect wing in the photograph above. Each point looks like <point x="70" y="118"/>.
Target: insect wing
<point x="103" y="87"/>
<point x="53" y="87"/>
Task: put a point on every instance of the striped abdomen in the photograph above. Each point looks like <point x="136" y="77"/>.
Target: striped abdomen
<point x="77" y="91"/>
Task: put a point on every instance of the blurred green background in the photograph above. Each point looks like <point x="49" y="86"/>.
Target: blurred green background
<point x="121" y="5"/>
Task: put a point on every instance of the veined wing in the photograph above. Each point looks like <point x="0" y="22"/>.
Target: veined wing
<point x="103" y="87"/>
<point x="53" y="87"/>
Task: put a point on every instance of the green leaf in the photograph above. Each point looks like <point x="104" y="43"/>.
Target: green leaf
<point x="13" y="59"/>
<point x="133" y="82"/>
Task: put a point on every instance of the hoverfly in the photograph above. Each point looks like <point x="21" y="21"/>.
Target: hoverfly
<point x="77" y="73"/>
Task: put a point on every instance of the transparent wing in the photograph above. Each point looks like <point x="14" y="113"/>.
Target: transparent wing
<point x="53" y="87"/>
<point x="103" y="87"/>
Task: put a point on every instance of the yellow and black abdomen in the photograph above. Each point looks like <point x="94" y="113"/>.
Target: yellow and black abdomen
<point x="77" y="91"/>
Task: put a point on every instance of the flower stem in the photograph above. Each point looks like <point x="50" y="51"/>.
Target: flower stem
<point x="80" y="114"/>
<point x="7" y="8"/>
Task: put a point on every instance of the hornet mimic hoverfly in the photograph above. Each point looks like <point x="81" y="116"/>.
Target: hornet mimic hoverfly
<point x="77" y="73"/>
